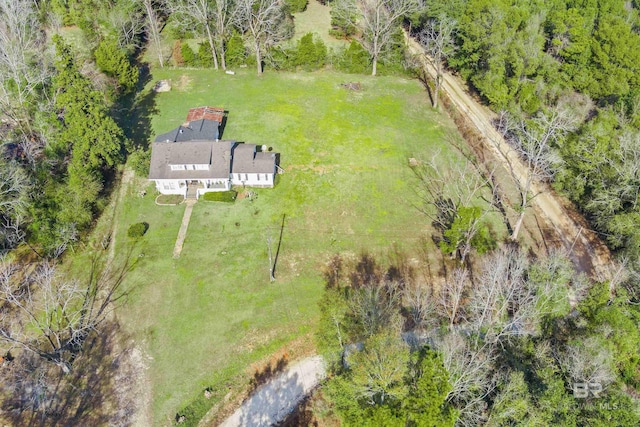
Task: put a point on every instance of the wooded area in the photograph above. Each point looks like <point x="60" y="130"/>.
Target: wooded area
<point x="504" y="338"/>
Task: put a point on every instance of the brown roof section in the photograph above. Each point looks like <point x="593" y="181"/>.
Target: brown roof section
<point x="206" y="113"/>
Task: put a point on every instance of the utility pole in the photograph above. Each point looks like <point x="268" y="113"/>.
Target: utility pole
<point x="271" y="278"/>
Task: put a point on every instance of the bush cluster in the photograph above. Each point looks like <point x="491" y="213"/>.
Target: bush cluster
<point x="184" y="55"/>
<point x="139" y="160"/>
<point x="236" y="52"/>
<point x="296" y="6"/>
<point x="310" y="53"/>
<point x="137" y="230"/>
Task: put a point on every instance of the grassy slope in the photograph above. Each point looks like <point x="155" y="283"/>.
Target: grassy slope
<point x="206" y="316"/>
<point x="316" y="19"/>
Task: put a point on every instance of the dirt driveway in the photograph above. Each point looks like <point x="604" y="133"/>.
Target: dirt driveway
<point x="584" y="247"/>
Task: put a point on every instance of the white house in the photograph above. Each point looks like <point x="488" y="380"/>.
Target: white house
<point x="190" y="160"/>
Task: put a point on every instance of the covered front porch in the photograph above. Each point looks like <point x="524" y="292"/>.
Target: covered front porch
<point x="209" y="185"/>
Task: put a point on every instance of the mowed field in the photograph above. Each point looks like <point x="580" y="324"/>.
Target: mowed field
<point x="204" y="318"/>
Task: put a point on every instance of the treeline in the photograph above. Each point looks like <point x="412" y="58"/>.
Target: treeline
<point x="242" y="32"/>
<point x="515" y="341"/>
<point x="528" y="57"/>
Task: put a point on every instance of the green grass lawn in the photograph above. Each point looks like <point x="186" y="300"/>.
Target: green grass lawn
<point x="316" y="19"/>
<point x="347" y="187"/>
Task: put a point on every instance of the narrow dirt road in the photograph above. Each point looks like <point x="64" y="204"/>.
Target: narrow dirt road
<point x="131" y="363"/>
<point x="127" y="177"/>
<point x="584" y="247"/>
<point x="273" y="401"/>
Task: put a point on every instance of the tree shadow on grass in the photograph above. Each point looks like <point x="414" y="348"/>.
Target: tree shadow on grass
<point x="135" y="111"/>
<point x="37" y="393"/>
<point x="263" y="375"/>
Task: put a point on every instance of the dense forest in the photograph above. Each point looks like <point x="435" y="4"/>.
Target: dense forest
<point x="506" y="339"/>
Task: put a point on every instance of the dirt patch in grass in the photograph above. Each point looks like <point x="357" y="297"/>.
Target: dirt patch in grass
<point x="184" y="83"/>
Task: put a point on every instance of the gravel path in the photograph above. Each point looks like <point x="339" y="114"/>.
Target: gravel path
<point x="273" y="401"/>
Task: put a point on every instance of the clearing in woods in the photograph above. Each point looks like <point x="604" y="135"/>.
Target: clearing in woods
<point x="347" y="187"/>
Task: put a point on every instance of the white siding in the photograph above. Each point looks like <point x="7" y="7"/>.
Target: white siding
<point x="253" y="179"/>
<point x="189" y="167"/>
<point x="171" y="186"/>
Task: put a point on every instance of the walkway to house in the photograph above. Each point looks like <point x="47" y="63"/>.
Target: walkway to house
<point x="182" y="234"/>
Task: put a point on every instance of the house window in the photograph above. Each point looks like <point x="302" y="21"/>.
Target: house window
<point x="202" y="167"/>
<point x="258" y="176"/>
<point x="178" y="167"/>
<point x="246" y="177"/>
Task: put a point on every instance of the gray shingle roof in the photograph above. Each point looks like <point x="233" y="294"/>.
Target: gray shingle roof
<point x="214" y="153"/>
<point x="199" y="130"/>
<point x="246" y="160"/>
<point x="265" y="162"/>
<point x="197" y="144"/>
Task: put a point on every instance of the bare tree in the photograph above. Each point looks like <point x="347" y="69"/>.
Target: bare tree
<point x="154" y="27"/>
<point x="375" y="307"/>
<point x="512" y="297"/>
<point x="437" y="40"/>
<point x="226" y="14"/>
<point x="15" y="188"/>
<point x="502" y="300"/>
<point x="128" y="23"/>
<point x="51" y="316"/>
<point x="469" y="365"/>
<point x="448" y="191"/>
<point x="446" y="187"/>
<point x="202" y="14"/>
<point x="533" y="142"/>
<point x="421" y="305"/>
<point x="23" y="63"/>
<point x="588" y="362"/>
<point x="452" y="293"/>
<point x="377" y="21"/>
<point x="264" y="22"/>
